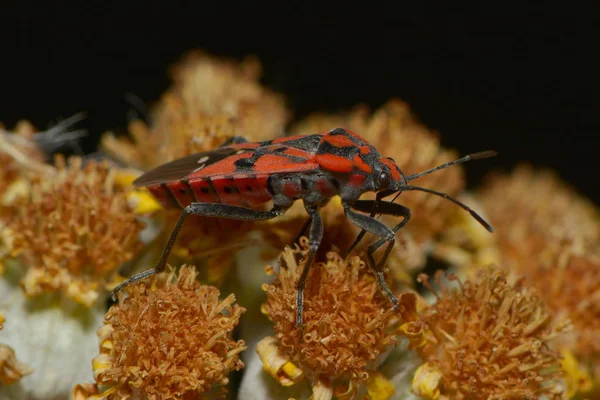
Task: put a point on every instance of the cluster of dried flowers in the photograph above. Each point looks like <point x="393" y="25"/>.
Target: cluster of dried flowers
<point x="527" y="331"/>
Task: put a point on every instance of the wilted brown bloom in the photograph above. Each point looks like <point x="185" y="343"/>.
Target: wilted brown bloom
<point x="530" y="208"/>
<point x="73" y="231"/>
<point x="347" y="322"/>
<point x="211" y="101"/>
<point x="170" y="338"/>
<point x="486" y="339"/>
<point x="548" y="233"/>
<point x="11" y="369"/>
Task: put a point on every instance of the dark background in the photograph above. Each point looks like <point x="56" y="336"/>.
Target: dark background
<point x="526" y="85"/>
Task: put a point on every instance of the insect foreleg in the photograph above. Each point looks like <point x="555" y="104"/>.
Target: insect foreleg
<point x="315" y="235"/>
<point x="205" y="210"/>
<point x="377" y="228"/>
<point x="374" y="205"/>
<point x="386" y="209"/>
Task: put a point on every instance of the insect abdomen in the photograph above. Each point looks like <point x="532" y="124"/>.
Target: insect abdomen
<point x="239" y="190"/>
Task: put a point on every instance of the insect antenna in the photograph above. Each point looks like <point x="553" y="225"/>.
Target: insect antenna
<point x="474" y="156"/>
<point x="462" y="205"/>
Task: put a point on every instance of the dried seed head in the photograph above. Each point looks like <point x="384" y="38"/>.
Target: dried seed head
<point x="548" y="233"/>
<point x="170" y="338"/>
<point x="211" y="100"/>
<point x="487" y="339"/>
<point x="347" y="322"/>
<point x="73" y="231"/>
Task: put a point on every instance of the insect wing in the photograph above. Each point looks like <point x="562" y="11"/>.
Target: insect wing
<point x="180" y="168"/>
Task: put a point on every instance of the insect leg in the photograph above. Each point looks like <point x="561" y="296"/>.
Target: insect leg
<point x="385" y="208"/>
<point x="377" y="228"/>
<point x="315" y="235"/>
<point x="373" y="211"/>
<point x="205" y="210"/>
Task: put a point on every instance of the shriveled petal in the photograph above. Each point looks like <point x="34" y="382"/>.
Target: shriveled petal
<point x="277" y="364"/>
<point x="426" y="381"/>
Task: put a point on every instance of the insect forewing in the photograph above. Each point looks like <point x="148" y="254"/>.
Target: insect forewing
<point x="178" y="169"/>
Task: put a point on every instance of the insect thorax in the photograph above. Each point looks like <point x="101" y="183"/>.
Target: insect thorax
<point x="315" y="188"/>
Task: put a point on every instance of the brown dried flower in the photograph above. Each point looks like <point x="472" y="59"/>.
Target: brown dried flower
<point x="486" y="339"/>
<point x="530" y="208"/>
<point x="347" y="324"/>
<point x="170" y="338"/>
<point x="74" y="230"/>
<point x="548" y="233"/>
<point x="210" y="101"/>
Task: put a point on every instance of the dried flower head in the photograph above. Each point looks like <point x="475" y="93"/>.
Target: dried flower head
<point x="486" y="339"/>
<point x="73" y="231"/>
<point x="529" y="208"/>
<point x="170" y="338"/>
<point x="11" y="369"/>
<point x="211" y="100"/>
<point x="347" y="322"/>
<point x="548" y="233"/>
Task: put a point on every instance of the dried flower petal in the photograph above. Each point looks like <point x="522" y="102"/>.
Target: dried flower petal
<point x="11" y="369"/>
<point x="426" y="381"/>
<point x="578" y="378"/>
<point x="73" y="231"/>
<point x="347" y="322"/>
<point x="277" y="364"/>
<point x="488" y="339"/>
<point x="379" y="387"/>
<point x="168" y="339"/>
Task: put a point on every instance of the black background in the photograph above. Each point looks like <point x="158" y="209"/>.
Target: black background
<point x="524" y="83"/>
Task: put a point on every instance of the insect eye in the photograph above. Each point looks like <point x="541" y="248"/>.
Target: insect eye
<point x="383" y="179"/>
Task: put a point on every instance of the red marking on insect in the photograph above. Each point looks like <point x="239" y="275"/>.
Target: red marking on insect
<point x="333" y="163"/>
<point x="236" y="181"/>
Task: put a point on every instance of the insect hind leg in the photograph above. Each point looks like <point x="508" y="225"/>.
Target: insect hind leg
<point x="315" y="236"/>
<point x="205" y="210"/>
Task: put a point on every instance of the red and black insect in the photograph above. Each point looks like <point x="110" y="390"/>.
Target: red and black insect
<point x="237" y="180"/>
